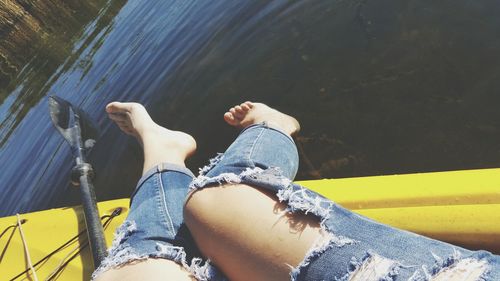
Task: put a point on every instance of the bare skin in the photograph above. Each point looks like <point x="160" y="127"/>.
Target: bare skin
<point x="160" y="145"/>
<point x="249" y="113"/>
<point x="244" y="230"/>
<point x="246" y="246"/>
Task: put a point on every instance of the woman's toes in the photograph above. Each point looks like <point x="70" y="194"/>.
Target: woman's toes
<point x="249" y="104"/>
<point x="121" y="107"/>
<point x="117" y="117"/>
<point x="232" y="110"/>
<point x="239" y="109"/>
<point x="245" y="107"/>
<point x="229" y="117"/>
<point x="113" y="107"/>
<point x="237" y="114"/>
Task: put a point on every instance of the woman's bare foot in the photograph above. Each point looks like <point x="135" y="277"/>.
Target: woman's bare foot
<point x="159" y="144"/>
<point x="249" y="113"/>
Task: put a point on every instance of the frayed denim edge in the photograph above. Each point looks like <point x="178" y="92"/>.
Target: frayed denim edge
<point x="324" y="243"/>
<point x="212" y="162"/>
<point x="121" y="254"/>
<point x="443" y="264"/>
<point x="297" y="198"/>
<point x="202" y="181"/>
<point x="356" y="264"/>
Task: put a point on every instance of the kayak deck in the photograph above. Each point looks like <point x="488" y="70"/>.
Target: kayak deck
<point x="461" y="207"/>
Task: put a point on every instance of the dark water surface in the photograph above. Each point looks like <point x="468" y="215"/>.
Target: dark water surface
<point x="380" y="87"/>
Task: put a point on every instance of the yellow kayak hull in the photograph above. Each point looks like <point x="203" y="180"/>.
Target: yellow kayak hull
<point x="461" y="207"/>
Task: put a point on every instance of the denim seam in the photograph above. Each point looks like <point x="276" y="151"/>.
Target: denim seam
<point x="266" y="126"/>
<point x="251" y="126"/>
<point x="283" y="133"/>
<point x="160" y="168"/>
<point x="166" y="166"/>
<point x="257" y="139"/>
<point x="159" y="204"/>
<point x="165" y="207"/>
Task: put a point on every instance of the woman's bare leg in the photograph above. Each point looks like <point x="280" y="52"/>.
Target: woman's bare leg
<point x="244" y="230"/>
<point x="160" y="145"/>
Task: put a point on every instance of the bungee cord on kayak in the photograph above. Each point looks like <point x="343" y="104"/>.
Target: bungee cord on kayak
<point x="26" y="248"/>
<point x="13" y="227"/>
<point x="81" y="246"/>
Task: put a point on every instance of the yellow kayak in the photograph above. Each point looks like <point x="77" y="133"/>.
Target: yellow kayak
<point x="461" y="207"/>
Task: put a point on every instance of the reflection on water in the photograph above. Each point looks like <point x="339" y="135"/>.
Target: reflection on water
<point x="52" y="30"/>
<point x="48" y="38"/>
<point x="379" y="87"/>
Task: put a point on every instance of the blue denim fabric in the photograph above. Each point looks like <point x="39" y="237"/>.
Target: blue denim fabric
<point x="257" y="147"/>
<point x="154" y="226"/>
<point x="357" y="247"/>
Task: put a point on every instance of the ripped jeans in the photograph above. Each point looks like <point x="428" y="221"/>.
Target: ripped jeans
<point x="357" y="247"/>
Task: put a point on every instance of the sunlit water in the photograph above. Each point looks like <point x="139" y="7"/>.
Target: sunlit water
<point x="379" y="87"/>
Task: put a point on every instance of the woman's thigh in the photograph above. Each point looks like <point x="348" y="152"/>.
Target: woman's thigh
<point x="248" y="234"/>
<point x="251" y="236"/>
<point x="247" y="216"/>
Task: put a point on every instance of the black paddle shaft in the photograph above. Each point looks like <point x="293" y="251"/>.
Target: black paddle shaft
<point x="84" y="172"/>
<point x="95" y="231"/>
<point x="68" y="121"/>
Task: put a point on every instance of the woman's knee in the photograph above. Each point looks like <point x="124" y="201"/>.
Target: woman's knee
<point x="240" y="224"/>
<point x="208" y="218"/>
<point x="199" y="206"/>
<point x="221" y="205"/>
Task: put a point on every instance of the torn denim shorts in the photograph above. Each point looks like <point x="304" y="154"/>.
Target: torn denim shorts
<point x="356" y="247"/>
<point x="155" y="227"/>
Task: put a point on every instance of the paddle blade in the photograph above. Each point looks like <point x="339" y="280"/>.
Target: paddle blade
<point x="63" y="119"/>
<point x="89" y="129"/>
<point x="59" y="112"/>
<point x="73" y="123"/>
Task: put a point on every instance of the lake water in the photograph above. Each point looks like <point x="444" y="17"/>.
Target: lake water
<point x="380" y="87"/>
